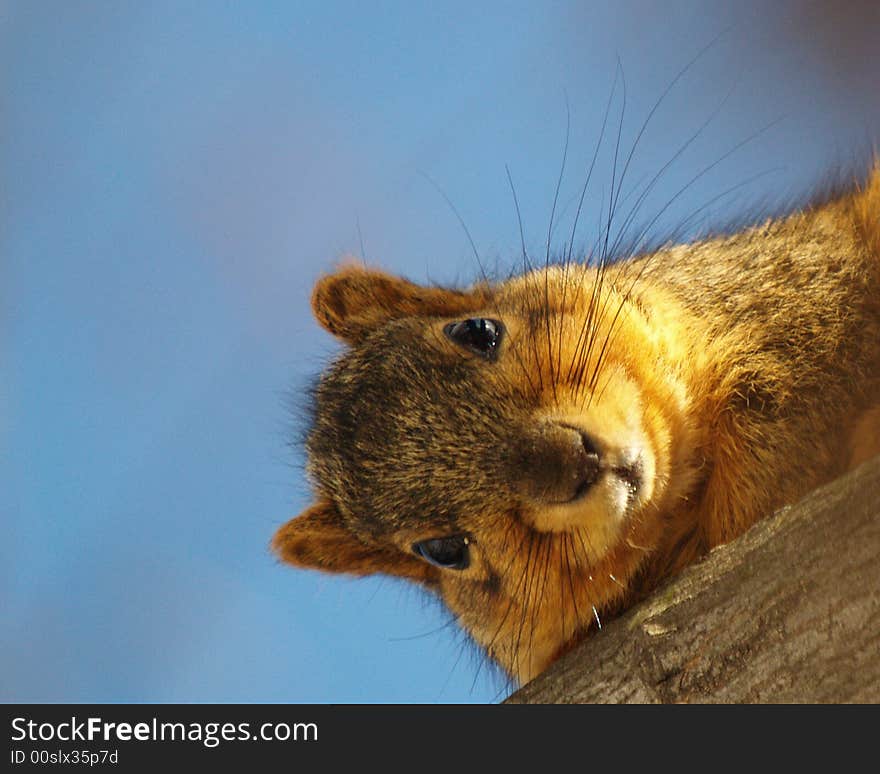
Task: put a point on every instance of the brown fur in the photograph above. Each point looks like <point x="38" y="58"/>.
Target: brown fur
<point x="726" y="378"/>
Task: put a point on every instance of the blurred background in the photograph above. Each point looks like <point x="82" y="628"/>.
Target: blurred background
<point x="173" y="178"/>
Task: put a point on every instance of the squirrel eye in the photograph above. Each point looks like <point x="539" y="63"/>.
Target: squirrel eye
<point x="450" y="553"/>
<point x="480" y="335"/>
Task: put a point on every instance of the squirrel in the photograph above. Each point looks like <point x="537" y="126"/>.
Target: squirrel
<point x="543" y="451"/>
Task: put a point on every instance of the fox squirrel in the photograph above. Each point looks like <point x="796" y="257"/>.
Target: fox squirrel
<point x="541" y="452"/>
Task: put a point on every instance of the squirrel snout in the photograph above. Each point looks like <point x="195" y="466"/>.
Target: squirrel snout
<point x="557" y="465"/>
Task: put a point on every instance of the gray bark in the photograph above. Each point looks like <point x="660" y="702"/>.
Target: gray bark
<point x="789" y="612"/>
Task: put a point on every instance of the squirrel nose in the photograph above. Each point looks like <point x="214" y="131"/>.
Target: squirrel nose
<point x="558" y="464"/>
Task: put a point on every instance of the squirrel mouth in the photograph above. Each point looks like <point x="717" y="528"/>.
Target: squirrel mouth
<point x="630" y="475"/>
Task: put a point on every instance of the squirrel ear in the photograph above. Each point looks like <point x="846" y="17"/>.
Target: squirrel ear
<point x="355" y="300"/>
<point x="318" y="539"/>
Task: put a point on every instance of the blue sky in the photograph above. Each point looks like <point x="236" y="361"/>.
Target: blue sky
<point x="175" y="176"/>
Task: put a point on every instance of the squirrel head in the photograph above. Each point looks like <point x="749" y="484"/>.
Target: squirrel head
<point x="509" y="447"/>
